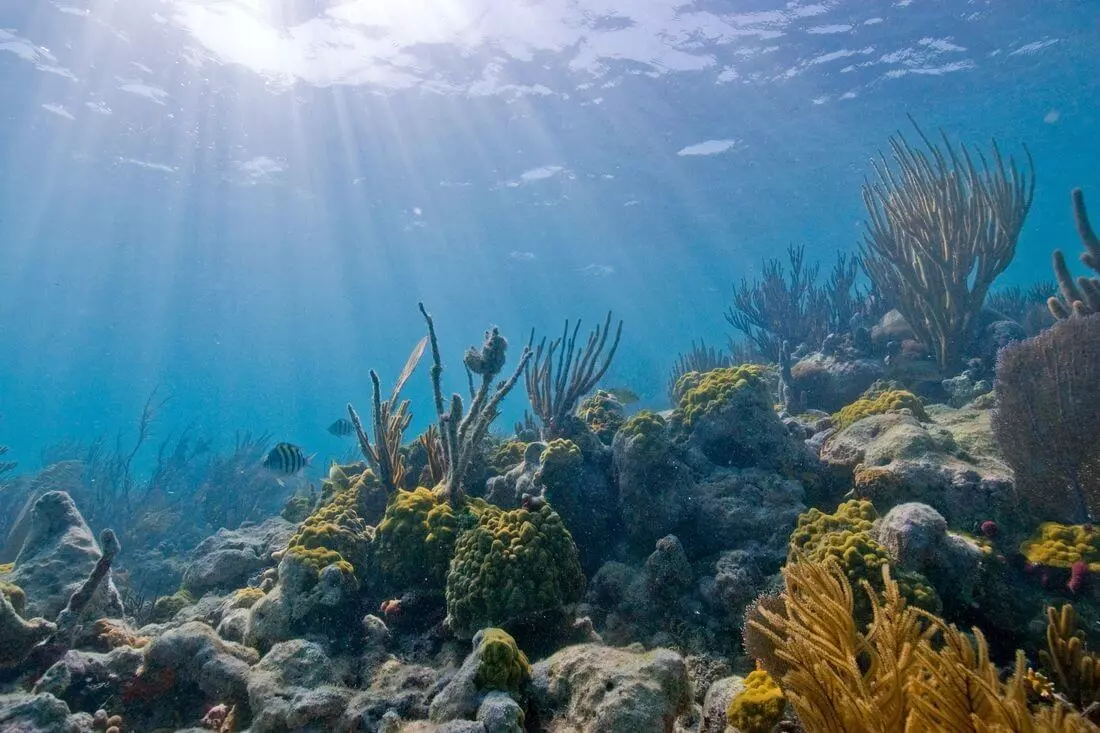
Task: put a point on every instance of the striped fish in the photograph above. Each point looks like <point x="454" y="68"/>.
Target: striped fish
<point x="342" y="428"/>
<point x="287" y="459"/>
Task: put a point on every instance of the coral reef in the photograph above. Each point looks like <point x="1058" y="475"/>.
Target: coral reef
<point x="1062" y="546"/>
<point x="415" y="540"/>
<point x="941" y="229"/>
<point x="496" y="664"/>
<point x="701" y="358"/>
<point x="603" y="414"/>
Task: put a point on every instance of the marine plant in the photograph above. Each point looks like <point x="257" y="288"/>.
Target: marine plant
<point x="1080" y="298"/>
<point x="562" y="372"/>
<point x="1026" y="306"/>
<point x="390" y="420"/>
<point x="942" y="226"/>
<point x="1073" y="667"/>
<point x="909" y="670"/>
<point x="889" y="401"/>
<point x="759" y="706"/>
<point x="1046" y="419"/>
<point x="513" y="566"/>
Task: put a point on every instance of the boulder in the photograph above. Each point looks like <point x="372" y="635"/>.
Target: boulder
<point x="591" y="688"/>
<point x="295" y="688"/>
<point x="225" y="560"/>
<point x="828" y="383"/>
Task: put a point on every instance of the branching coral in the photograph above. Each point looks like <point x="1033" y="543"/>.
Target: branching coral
<point x="1082" y="297"/>
<point x="1046" y="420"/>
<point x="909" y="671"/>
<point x="561" y="374"/>
<point x="941" y="228"/>
<point x="461" y="433"/>
<point x="391" y="418"/>
<point x="1074" y="669"/>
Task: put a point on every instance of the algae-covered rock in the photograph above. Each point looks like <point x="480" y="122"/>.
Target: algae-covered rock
<point x="194" y="655"/>
<point x="84" y="679"/>
<point x="507" y="491"/>
<point x="18" y="635"/>
<point x="57" y="556"/>
<point x="513" y="566"/>
<point x="735" y="508"/>
<point x="950" y="463"/>
<point x="295" y="687"/>
<point x="395" y="690"/>
<point x="495" y="664"/>
<point x="654" y="483"/>
<point x="591" y="688"/>
<point x="717" y="702"/>
<point x="828" y="383"/>
<point x="41" y="713"/>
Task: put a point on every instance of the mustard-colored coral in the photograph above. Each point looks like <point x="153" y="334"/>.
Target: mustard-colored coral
<point x="703" y="393"/>
<point x="6" y="567"/>
<point x="648" y="433"/>
<point x="166" y="607"/>
<point x="890" y="401"/>
<point x="502" y="664"/>
<point x="245" y="597"/>
<point x="1063" y="545"/>
<point x="15" y="595"/>
<point x="513" y="565"/>
<point x="603" y="413"/>
<point x="908" y="671"/>
<point x="336" y="533"/>
<point x="415" y="540"/>
<point x="507" y="455"/>
<point x="758" y="707"/>
<point x="845" y="536"/>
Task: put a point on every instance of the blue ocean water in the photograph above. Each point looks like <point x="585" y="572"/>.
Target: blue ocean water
<point x="240" y="202"/>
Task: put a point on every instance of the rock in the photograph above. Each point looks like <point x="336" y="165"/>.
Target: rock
<point x="197" y="656"/>
<point x="41" y="713"/>
<point x="17" y="501"/>
<point x="17" y="635"/>
<point x="226" y="560"/>
<point x="57" y="556"/>
<point x="589" y="688"/>
<point x="294" y="688"/>
<point x="654" y="484"/>
<point x="891" y="327"/>
<point x="489" y="660"/>
<point x="717" y="700"/>
<point x="499" y="713"/>
<point x="703" y="671"/>
<point x="829" y="383"/>
<point x="507" y="491"/>
<point x="667" y="570"/>
<point x="233" y="625"/>
<point x="303" y="602"/>
<point x="85" y="679"/>
<point x="396" y="690"/>
<point x="735" y="508"/>
<point x="912" y="533"/>
<point x="951" y="463"/>
<point x="996" y="336"/>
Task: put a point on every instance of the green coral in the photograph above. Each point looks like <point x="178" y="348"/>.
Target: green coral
<point x="15" y="595"/>
<point x="512" y="565"/>
<point x="415" y="540"/>
<point x="648" y="433"/>
<point x="507" y="455"/>
<point x="335" y="533"/>
<point x="166" y="607"/>
<point x="502" y="664"/>
<point x="1063" y="545"/>
<point x="759" y="706"/>
<point x="560" y="466"/>
<point x="845" y="536"/>
<point x="888" y="401"/>
<point x="604" y="415"/>
<point x="704" y="393"/>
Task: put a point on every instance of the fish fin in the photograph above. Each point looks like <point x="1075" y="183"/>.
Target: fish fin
<point x="410" y="367"/>
<point x="310" y="457"/>
<point x="280" y="482"/>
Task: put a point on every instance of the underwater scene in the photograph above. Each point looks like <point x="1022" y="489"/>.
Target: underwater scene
<point x="556" y="366"/>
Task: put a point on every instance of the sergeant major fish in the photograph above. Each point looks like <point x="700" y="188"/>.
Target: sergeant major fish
<point x="286" y="459"/>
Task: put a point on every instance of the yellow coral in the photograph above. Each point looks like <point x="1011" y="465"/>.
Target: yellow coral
<point x="6" y="567"/>
<point x="503" y="665"/>
<point x="758" y="707"/>
<point x="336" y="533"/>
<point x="890" y="401"/>
<point x="1063" y="545"/>
<point x="702" y="393"/>
<point x="910" y="671"/>
<point x="245" y="597"/>
<point x="15" y="595"/>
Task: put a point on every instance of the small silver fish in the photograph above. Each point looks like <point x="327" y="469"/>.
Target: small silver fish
<point x="286" y="459"/>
